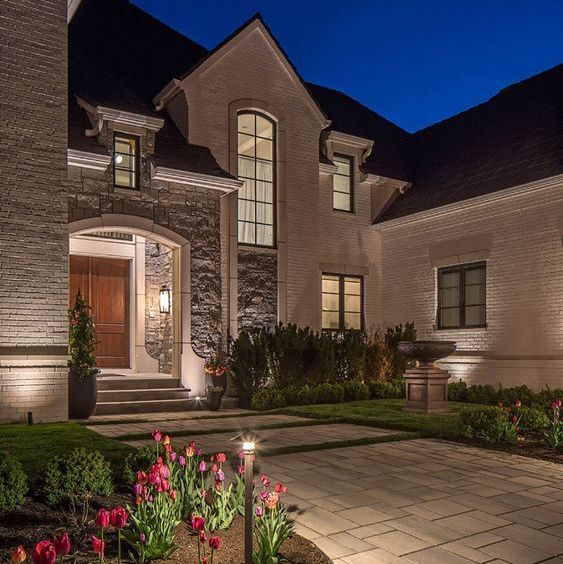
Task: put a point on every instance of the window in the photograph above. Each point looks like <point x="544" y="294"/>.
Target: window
<point x="462" y="296"/>
<point x="126" y="161"/>
<point x="342" y="302"/>
<point x="256" y="168"/>
<point x="343" y="192"/>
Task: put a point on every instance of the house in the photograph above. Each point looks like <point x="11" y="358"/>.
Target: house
<point x="191" y="193"/>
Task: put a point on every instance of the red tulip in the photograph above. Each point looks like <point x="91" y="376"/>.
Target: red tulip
<point x="118" y="517"/>
<point x="18" y="555"/>
<point x="280" y="488"/>
<point x="98" y="545"/>
<point x="173" y="495"/>
<point x="142" y="478"/>
<point x="202" y="537"/>
<point x="500" y="404"/>
<point x="198" y="524"/>
<point x="62" y="545"/>
<point x="214" y="543"/>
<point x="221" y="458"/>
<point x="518" y="403"/>
<point x="44" y="553"/>
<point x="102" y="519"/>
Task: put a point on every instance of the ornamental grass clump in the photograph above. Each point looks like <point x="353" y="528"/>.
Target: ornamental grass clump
<point x="13" y="482"/>
<point x="272" y="526"/>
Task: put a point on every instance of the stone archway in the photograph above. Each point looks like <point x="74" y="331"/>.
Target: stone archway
<point x="186" y="364"/>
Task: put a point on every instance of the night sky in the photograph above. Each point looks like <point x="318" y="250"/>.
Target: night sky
<point x="413" y="61"/>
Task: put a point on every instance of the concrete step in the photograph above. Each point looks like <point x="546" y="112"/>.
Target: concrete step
<point x="136" y="383"/>
<point x="143" y="394"/>
<point x="147" y="406"/>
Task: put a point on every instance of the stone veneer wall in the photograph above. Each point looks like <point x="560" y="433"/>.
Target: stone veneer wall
<point x="257" y="288"/>
<point x="191" y="212"/>
<point x="33" y="212"/>
<point x="158" y="326"/>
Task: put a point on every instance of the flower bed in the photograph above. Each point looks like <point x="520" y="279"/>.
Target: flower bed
<point x="183" y="508"/>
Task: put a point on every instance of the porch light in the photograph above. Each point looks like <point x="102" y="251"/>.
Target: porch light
<point x="165" y="299"/>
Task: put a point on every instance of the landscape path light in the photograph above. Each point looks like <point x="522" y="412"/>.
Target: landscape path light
<point x="249" y="448"/>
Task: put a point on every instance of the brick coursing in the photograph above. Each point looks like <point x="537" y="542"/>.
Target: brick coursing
<point x="192" y="212"/>
<point x="257" y="288"/>
<point x="33" y="208"/>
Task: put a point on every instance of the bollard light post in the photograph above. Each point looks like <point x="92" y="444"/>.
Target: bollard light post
<point x="249" y="449"/>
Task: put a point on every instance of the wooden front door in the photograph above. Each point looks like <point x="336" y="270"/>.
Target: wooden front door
<point x="104" y="283"/>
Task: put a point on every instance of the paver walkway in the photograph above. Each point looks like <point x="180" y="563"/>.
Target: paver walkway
<point x="419" y="501"/>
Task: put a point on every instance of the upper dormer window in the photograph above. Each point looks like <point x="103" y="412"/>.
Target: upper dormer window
<point x="343" y="188"/>
<point x="256" y="168"/>
<point x="126" y="161"/>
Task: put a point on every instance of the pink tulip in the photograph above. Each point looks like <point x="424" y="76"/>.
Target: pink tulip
<point x="118" y="517"/>
<point x="62" y="545"/>
<point x="44" y="553"/>
<point x="157" y="435"/>
<point x="98" y="545"/>
<point x="198" y="524"/>
<point x="102" y="519"/>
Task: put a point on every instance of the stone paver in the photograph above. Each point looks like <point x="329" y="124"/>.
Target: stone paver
<point x="422" y="501"/>
<point x="285" y="437"/>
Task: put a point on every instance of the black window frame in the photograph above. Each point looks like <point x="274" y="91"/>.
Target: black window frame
<point x="462" y="270"/>
<point x="341" y="301"/>
<point x="137" y="159"/>
<point x="351" y="162"/>
<point x="274" y="182"/>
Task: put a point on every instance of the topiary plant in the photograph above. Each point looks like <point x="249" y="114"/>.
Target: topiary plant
<point x="75" y="478"/>
<point x="13" y="482"/>
<point x="81" y="339"/>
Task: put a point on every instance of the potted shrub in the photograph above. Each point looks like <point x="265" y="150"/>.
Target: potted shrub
<point x="215" y="397"/>
<point x="82" y="383"/>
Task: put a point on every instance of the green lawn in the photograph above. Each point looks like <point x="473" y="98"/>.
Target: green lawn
<point x="389" y="414"/>
<point x="34" y="446"/>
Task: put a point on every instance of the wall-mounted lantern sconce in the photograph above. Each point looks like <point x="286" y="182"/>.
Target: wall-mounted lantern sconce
<point x="165" y="299"/>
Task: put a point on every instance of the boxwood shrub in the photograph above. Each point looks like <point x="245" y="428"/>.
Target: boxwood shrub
<point x="13" y="482"/>
<point x="330" y="393"/>
<point x="355" y="391"/>
<point x="268" y="398"/>
<point x="492" y="424"/>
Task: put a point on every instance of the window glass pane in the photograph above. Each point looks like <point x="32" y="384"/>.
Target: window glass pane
<point x="246" y="232"/>
<point x="341" y="201"/>
<point x="449" y="317"/>
<point x="123" y="178"/>
<point x="352" y="286"/>
<point x="342" y="184"/>
<point x="246" y="145"/>
<point x="246" y="210"/>
<point x="449" y="280"/>
<point x="331" y="302"/>
<point x="330" y="284"/>
<point x="475" y="275"/>
<point x="475" y="315"/>
<point x="353" y="320"/>
<point x="475" y="295"/>
<point x="246" y="168"/>
<point x="330" y="320"/>
<point x="264" y="235"/>
<point x="265" y="149"/>
<point x="265" y="192"/>
<point x="353" y="303"/>
<point x="265" y="213"/>
<point x="449" y="297"/>
<point x="246" y="124"/>
<point x="247" y="190"/>
<point x="264" y="127"/>
<point x="342" y="164"/>
<point x="264" y="171"/>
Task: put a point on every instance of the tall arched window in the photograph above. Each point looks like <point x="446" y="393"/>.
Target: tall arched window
<point x="256" y="167"/>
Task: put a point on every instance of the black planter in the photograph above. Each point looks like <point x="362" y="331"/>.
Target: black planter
<point x="214" y="400"/>
<point x="82" y="396"/>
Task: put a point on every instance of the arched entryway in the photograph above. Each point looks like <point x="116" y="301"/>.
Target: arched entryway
<point x="145" y="239"/>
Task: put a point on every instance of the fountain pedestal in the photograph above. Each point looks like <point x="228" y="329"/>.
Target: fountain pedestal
<point x="426" y="385"/>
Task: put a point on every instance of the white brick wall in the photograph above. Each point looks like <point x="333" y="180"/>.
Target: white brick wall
<point x="523" y="341"/>
<point x="36" y="385"/>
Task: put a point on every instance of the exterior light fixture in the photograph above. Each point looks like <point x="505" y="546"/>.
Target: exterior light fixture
<point x="165" y="299"/>
<point x="118" y="159"/>
<point x="249" y="449"/>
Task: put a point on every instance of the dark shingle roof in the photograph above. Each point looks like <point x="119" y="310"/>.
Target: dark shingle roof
<point x="514" y="138"/>
<point x="390" y="156"/>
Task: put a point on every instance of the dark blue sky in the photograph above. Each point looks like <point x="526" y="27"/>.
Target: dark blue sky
<point x="413" y="61"/>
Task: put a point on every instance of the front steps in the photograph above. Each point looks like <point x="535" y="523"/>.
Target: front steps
<point x="133" y="394"/>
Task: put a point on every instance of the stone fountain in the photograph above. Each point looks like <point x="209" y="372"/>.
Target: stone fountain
<point x="427" y="385"/>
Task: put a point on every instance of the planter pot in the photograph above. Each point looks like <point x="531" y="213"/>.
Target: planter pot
<point x="82" y="396"/>
<point x="214" y="400"/>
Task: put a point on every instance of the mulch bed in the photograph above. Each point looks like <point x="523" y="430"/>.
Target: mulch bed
<point x="33" y="522"/>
